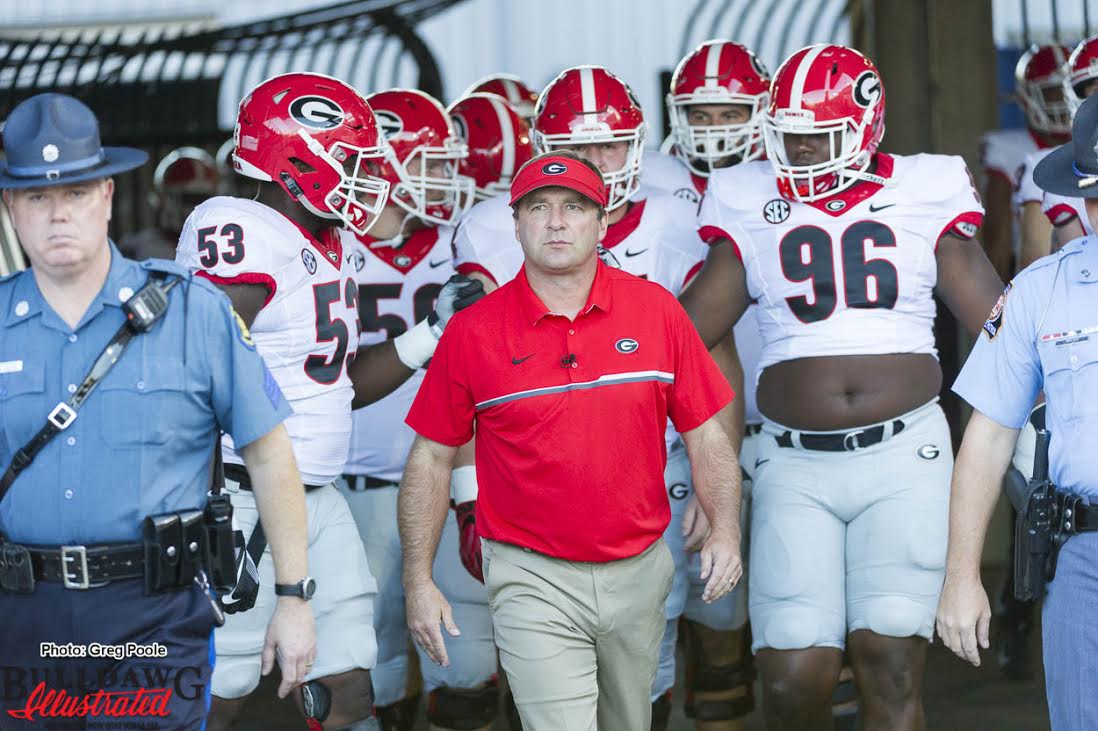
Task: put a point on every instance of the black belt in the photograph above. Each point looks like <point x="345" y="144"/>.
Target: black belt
<point x="750" y="430"/>
<point x="82" y="567"/>
<point x="367" y="482"/>
<point x="238" y="474"/>
<point x="840" y="441"/>
<point x="1079" y="518"/>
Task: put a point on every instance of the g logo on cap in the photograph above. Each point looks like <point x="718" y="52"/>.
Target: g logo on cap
<point x="317" y="112"/>
<point x="555" y="168"/>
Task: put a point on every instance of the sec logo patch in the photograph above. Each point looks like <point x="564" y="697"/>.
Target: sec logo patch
<point x="776" y="211"/>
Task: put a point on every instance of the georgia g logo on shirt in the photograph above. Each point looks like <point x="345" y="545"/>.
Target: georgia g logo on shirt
<point x="626" y="346"/>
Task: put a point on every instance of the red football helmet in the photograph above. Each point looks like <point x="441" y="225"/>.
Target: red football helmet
<point x="316" y="137"/>
<point x="183" y="179"/>
<point x="1080" y="71"/>
<point x="423" y="158"/>
<point x="717" y="72"/>
<point x="517" y="93"/>
<point x="825" y="89"/>
<point x="498" y="141"/>
<point x="1041" y="70"/>
<point x="588" y="105"/>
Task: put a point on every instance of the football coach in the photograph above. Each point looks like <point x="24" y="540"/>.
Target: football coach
<point x="569" y="373"/>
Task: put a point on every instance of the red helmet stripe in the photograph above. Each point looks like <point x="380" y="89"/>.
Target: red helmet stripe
<point x="797" y="90"/>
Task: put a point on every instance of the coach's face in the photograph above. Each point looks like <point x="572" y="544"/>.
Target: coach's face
<point x="63" y="228"/>
<point x="559" y="229"/>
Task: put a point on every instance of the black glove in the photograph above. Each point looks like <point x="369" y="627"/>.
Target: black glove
<point x="458" y="293"/>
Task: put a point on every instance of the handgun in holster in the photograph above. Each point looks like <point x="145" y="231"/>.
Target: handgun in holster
<point x="1035" y="527"/>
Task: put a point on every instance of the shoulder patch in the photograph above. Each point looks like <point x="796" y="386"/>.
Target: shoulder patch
<point x="994" y="324"/>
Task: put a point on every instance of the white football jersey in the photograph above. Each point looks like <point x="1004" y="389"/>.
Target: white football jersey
<point x="852" y="274"/>
<point x="308" y="328"/>
<point x="1003" y="150"/>
<point x="667" y="174"/>
<point x="1061" y="210"/>
<point x="398" y="282"/>
<point x="1025" y="189"/>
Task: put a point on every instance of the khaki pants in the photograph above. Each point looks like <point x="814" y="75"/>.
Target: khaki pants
<point x="579" y="641"/>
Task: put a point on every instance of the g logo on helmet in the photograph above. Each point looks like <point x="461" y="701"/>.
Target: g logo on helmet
<point x="316" y="112"/>
<point x="390" y="124"/>
<point x="626" y="345"/>
<point x="555" y="168"/>
<point x="867" y="89"/>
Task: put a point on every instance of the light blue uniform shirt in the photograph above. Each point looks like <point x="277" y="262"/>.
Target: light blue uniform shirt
<point x="142" y="442"/>
<point x="1044" y="336"/>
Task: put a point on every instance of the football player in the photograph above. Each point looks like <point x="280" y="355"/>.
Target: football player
<point x="184" y="178"/>
<point x="592" y="112"/>
<point x="498" y="140"/>
<point x="1067" y="215"/>
<point x="718" y="94"/>
<point x="400" y="267"/>
<point x="310" y="140"/>
<point x="517" y="92"/>
<point x="843" y="247"/>
<point x="1005" y="153"/>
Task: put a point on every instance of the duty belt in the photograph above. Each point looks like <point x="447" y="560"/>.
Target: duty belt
<point x="77" y="567"/>
<point x="847" y="441"/>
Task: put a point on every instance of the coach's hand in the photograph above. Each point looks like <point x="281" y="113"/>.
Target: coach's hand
<point x="291" y="637"/>
<point x="458" y="293"/>
<point x="720" y="563"/>
<point x="426" y="608"/>
<point x="964" y="616"/>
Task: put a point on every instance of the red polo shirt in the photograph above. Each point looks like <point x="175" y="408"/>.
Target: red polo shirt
<point x="570" y="415"/>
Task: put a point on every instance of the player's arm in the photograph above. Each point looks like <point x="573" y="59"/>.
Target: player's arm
<point x="967" y="282"/>
<point x="489" y="283"/>
<point x="247" y="299"/>
<point x="717" y="298"/>
<point x="1066" y="232"/>
<point x="379" y="369"/>
<point x="998" y="222"/>
<point x="732" y="416"/>
<point x="1036" y="234"/>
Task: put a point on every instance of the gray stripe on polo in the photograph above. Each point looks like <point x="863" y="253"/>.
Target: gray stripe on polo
<point x="607" y="380"/>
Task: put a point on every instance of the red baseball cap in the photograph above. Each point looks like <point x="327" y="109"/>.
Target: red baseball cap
<point x="561" y="171"/>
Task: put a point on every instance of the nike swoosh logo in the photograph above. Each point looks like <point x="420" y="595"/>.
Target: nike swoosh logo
<point x="516" y="361"/>
<point x="635" y="253"/>
<point x="874" y="209"/>
<point x="436" y="264"/>
<point x="760" y="462"/>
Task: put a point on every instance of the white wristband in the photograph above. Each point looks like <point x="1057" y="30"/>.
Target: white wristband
<point x="415" y="347"/>
<point x="463" y="484"/>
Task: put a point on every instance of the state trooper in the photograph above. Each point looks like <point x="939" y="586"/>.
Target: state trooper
<point x="116" y="379"/>
<point x="1041" y="335"/>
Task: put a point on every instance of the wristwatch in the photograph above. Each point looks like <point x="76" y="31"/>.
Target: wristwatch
<point x="303" y="589"/>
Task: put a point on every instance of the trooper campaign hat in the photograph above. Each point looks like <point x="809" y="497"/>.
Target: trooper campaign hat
<point x="53" y="139"/>
<point x="1071" y="170"/>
